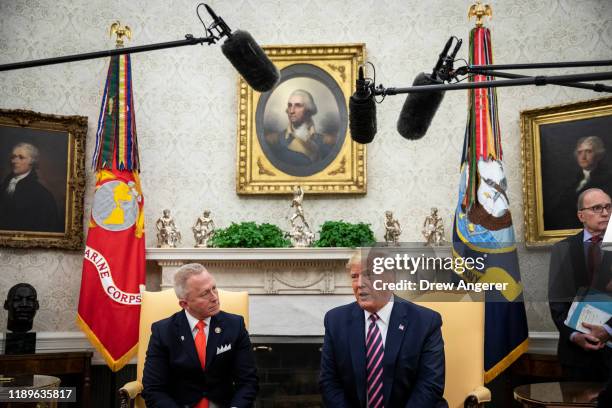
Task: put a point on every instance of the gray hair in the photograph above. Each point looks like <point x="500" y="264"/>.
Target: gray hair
<point x="580" y="202"/>
<point x="309" y="104"/>
<point x="599" y="149"/>
<point x="182" y="276"/>
<point x="354" y="260"/>
<point x="32" y="150"/>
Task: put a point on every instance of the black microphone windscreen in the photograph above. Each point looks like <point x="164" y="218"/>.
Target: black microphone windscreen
<point x="362" y="119"/>
<point x="419" y="109"/>
<point x="250" y="61"/>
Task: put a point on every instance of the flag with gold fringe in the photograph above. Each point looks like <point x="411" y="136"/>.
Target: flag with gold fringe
<point x="114" y="259"/>
<point x="483" y="224"/>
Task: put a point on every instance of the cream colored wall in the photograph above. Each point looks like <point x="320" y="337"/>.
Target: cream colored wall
<point x="186" y="109"/>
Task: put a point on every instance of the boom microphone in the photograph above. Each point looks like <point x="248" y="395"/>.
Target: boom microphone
<point x="419" y="109"/>
<point x="362" y="111"/>
<point x="241" y="49"/>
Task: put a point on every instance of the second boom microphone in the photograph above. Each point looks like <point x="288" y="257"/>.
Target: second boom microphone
<point x="362" y="111"/>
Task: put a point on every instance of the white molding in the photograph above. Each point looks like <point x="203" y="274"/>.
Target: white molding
<point x="270" y="254"/>
<point x="543" y="342"/>
<point x="58" y="342"/>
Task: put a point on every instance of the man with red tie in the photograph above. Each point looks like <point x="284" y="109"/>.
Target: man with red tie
<point x="579" y="262"/>
<point x="199" y="357"/>
<point x="381" y="351"/>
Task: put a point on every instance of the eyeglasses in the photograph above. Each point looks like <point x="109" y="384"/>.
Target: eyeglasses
<point x="598" y="209"/>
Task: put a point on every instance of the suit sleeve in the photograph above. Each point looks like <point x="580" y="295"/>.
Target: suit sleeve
<point x="156" y="373"/>
<point x="429" y="386"/>
<point x="330" y="383"/>
<point x="561" y="289"/>
<point x="244" y="371"/>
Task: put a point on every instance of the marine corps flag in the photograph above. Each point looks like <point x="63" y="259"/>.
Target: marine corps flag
<point x="114" y="260"/>
<point x="483" y="225"/>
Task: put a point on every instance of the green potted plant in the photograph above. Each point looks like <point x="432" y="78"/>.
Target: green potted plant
<point x="250" y="235"/>
<point x="345" y="234"/>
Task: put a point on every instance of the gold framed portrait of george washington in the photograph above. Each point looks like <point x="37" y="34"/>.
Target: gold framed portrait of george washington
<point x="42" y="179"/>
<point x="297" y="133"/>
<point x="567" y="149"/>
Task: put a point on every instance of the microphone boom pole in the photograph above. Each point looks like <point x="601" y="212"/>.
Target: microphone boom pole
<point x="537" y="80"/>
<point x="189" y="40"/>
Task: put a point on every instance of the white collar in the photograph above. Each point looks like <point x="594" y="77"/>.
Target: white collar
<point x="193" y="321"/>
<point x="21" y="176"/>
<point x="384" y="314"/>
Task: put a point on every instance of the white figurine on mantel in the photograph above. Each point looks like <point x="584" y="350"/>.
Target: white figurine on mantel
<point x="393" y="230"/>
<point x="167" y="233"/>
<point x="301" y="236"/>
<point x="203" y="230"/>
<point x="433" y="229"/>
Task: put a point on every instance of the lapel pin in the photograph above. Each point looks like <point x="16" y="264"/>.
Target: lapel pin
<point x="217" y="330"/>
<point x="401" y="327"/>
<point x="182" y="338"/>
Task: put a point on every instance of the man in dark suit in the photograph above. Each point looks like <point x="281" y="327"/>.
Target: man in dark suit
<point x="199" y="357"/>
<point x="25" y="204"/>
<point x="578" y="262"/>
<point x="381" y="351"/>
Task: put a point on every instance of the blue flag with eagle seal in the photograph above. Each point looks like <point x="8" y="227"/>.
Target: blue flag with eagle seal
<point x="483" y="224"/>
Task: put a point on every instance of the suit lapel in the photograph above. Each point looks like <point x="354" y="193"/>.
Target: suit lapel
<point x="215" y="332"/>
<point x="398" y="325"/>
<point x="579" y="261"/>
<point x="357" y="349"/>
<point x="186" y="337"/>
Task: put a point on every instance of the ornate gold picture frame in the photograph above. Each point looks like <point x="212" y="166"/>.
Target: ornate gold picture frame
<point x="566" y="149"/>
<point x="297" y="133"/>
<point x="42" y="179"/>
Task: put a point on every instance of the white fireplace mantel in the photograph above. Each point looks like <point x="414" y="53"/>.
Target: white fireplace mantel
<point x="290" y="289"/>
<point x="247" y="254"/>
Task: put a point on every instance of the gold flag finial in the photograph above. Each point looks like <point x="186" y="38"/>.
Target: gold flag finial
<point x="479" y="10"/>
<point x="120" y="31"/>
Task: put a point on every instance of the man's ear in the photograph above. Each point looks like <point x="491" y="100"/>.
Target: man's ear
<point x="183" y="303"/>
<point x="581" y="216"/>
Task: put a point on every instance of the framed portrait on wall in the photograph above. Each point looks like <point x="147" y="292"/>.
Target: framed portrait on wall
<point x="297" y="133"/>
<point x="566" y="150"/>
<point x="42" y="179"/>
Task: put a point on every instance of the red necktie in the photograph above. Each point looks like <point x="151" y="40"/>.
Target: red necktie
<point x="594" y="258"/>
<point x="200" y="343"/>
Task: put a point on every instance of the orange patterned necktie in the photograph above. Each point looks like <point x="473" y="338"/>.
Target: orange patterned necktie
<point x="200" y="343"/>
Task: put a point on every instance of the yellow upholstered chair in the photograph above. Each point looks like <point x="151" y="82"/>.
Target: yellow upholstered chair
<point x="157" y="306"/>
<point x="463" y="334"/>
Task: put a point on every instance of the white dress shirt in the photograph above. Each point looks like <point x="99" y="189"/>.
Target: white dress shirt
<point x="193" y="322"/>
<point x="384" y="315"/>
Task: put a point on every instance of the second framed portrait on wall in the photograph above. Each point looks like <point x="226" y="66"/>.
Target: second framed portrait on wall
<point x="297" y="133"/>
<point x="567" y="149"/>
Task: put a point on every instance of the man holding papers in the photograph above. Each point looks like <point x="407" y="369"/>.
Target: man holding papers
<point x="579" y="262"/>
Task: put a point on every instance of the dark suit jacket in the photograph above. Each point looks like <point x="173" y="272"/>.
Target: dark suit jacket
<point x="173" y="376"/>
<point x="31" y="207"/>
<point x="413" y="363"/>
<point x="567" y="274"/>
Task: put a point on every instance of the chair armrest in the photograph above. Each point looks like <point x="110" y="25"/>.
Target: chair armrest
<point x="477" y="397"/>
<point x="129" y="392"/>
